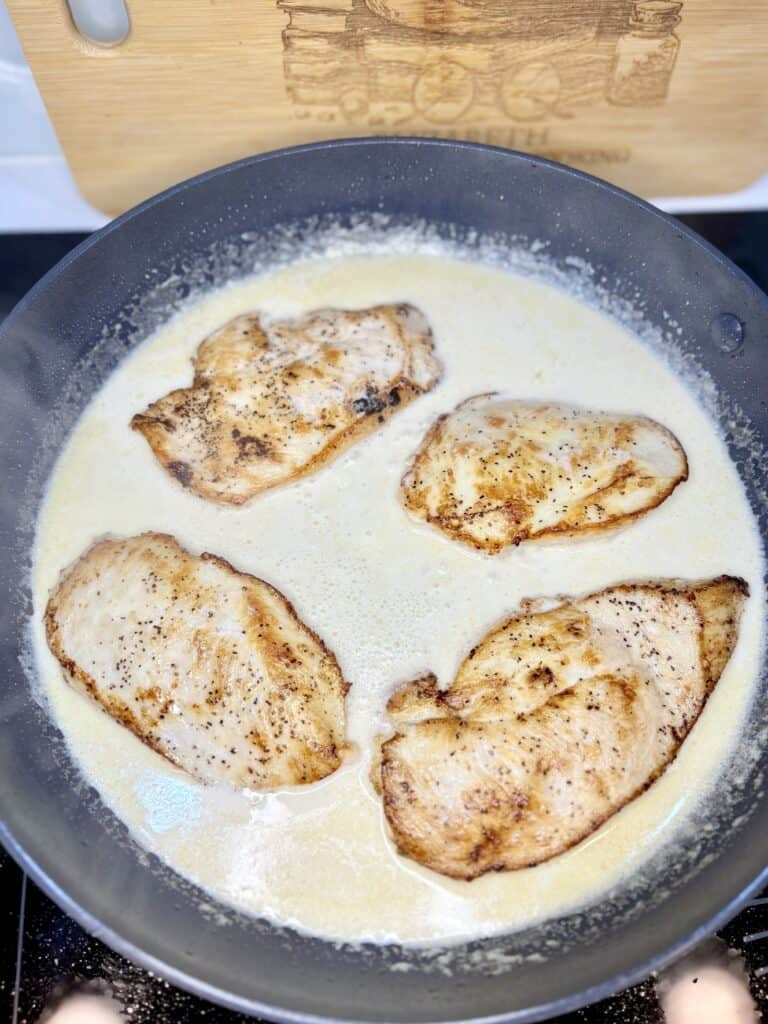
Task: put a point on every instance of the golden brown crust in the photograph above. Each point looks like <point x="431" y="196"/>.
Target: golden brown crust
<point x="555" y="721"/>
<point x="497" y="472"/>
<point x="210" y="667"/>
<point x="272" y="403"/>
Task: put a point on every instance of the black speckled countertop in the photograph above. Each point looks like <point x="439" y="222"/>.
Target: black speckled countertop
<point x="44" y="954"/>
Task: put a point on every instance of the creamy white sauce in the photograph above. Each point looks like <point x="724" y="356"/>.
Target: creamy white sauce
<point x="393" y="598"/>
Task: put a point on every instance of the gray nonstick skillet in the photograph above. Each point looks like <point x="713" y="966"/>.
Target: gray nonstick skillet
<point x="69" y="332"/>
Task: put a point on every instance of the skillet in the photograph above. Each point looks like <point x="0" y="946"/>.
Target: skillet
<point x="58" y="346"/>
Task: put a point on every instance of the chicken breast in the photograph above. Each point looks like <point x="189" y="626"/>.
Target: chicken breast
<point x="273" y="401"/>
<point x="496" y="471"/>
<point x="554" y="722"/>
<point x="209" y="666"/>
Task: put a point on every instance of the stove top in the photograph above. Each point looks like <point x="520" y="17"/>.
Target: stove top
<point x="44" y="955"/>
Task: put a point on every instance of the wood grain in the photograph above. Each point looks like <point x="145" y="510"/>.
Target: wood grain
<point x="658" y="96"/>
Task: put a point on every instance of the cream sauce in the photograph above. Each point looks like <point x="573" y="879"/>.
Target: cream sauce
<point x="393" y="598"/>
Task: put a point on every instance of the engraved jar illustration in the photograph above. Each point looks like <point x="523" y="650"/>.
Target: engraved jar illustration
<point x="646" y="55"/>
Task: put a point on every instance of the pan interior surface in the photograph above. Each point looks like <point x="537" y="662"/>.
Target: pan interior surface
<point x="392" y="598"/>
<point x="625" y="258"/>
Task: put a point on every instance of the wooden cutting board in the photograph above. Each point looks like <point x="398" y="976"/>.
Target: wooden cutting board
<point x="661" y="97"/>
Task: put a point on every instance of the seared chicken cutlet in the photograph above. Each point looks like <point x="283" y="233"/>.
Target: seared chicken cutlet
<point x="273" y="401"/>
<point x="554" y="722"/>
<point x="210" y="667"/>
<point x="496" y="471"/>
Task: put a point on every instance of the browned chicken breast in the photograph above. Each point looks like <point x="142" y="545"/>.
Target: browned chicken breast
<point x="554" y="722"/>
<point x="274" y="401"/>
<point x="496" y="472"/>
<point x="210" y="667"/>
